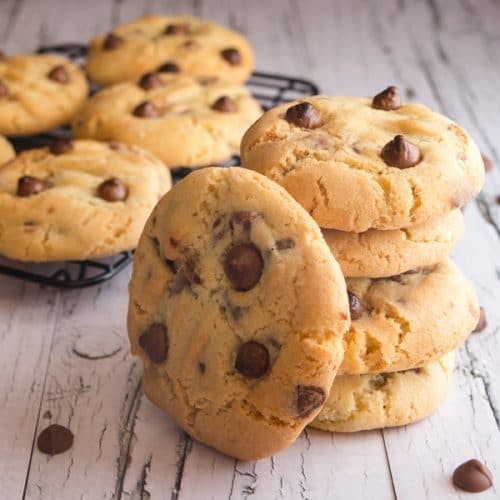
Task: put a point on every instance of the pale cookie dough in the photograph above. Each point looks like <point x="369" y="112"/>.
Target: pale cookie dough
<point x="183" y="122"/>
<point x="328" y="153"/>
<point x="6" y="150"/>
<point x="77" y="200"/>
<point x="376" y="401"/>
<point x="378" y="254"/>
<point x="408" y="320"/>
<point x="238" y="309"/>
<point x="38" y="93"/>
<point x="187" y="45"/>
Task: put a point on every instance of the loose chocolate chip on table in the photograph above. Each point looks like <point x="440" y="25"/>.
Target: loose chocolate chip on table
<point x="243" y="266"/>
<point x="389" y="99"/>
<point x="252" y="359"/>
<point x="232" y="56"/>
<point x="150" y="81"/>
<point x="355" y="306"/>
<point x="59" y="74"/>
<point x="113" y="41"/>
<point x="400" y="153"/>
<point x="473" y="476"/>
<point x="4" y="91"/>
<point x="28" y="186"/>
<point x="154" y="341"/>
<point x="309" y="398"/>
<point x="177" y="29"/>
<point x="112" y="189"/>
<point x="482" y="323"/>
<point x="285" y="244"/>
<point x="303" y="115"/>
<point x="224" y="104"/>
<point x="146" y="110"/>
<point x="488" y="163"/>
<point x="55" y="439"/>
<point x="61" y="146"/>
<point x="169" y="67"/>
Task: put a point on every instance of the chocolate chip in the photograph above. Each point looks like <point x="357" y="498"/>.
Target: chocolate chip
<point x="303" y="115"/>
<point x="55" y="439"/>
<point x="355" y="306"/>
<point x="47" y="415"/>
<point x="188" y="269"/>
<point x="224" y="104"/>
<point x="231" y="55"/>
<point x="28" y="186"/>
<point x="112" y="42"/>
<point x="176" y="29"/>
<point x="59" y="74"/>
<point x="285" y="244"/>
<point x="379" y="380"/>
<point x="154" y="341"/>
<point x="150" y="81"/>
<point x="202" y="367"/>
<point x="61" y="146"/>
<point x="112" y="189"/>
<point x="400" y="153"/>
<point x="473" y="476"/>
<point x="169" y="67"/>
<point x="246" y="218"/>
<point x="4" y="90"/>
<point x="243" y="266"/>
<point x="146" y="110"/>
<point x="488" y="163"/>
<point x="2" y="56"/>
<point x="482" y="322"/>
<point x="252" y="359"/>
<point x="389" y="99"/>
<point x="309" y="398"/>
<point x="191" y="45"/>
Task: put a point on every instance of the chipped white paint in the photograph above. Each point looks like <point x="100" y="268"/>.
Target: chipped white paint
<point x="67" y="353"/>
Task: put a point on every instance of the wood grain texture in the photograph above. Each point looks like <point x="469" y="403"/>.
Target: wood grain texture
<point x="67" y="353"/>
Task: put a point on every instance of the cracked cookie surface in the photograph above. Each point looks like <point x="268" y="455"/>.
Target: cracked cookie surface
<point x="77" y="200"/>
<point x="408" y="320"/>
<point x="328" y="153"/>
<point x="6" y="150"/>
<point x="238" y="309"/>
<point x="183" y="122"/>
<point x="375" y="401"/>
<point x="378" y="254"/>
<point x="39" y="92"/>
<point x="189" y="45"/>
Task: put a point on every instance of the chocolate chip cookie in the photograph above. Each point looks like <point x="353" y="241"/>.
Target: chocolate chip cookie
<point x="357" y="163"/>
<point x="6" y="150"/>
<point x="378" y="254"/>
<point x="183" y="122"/>
<point x="38" y="93"/>
<point x="77" y="200"/>
<point x="376" y="401"/>
<point x="408" y="320"/>
<point x="177" y="44"/>
<point x="238" y="309"/>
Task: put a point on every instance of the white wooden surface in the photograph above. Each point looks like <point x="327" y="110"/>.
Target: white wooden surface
<point x="67" y="353"/>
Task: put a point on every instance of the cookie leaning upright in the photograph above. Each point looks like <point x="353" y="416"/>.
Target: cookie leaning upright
<point x="180" y="44"/>
<point x="77" y="200"/>
<point x="238" y="309"/>
<point x="356" y="164"/>
<point x="38" y="92"/>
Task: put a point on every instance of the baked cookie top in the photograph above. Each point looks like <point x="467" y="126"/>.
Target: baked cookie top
<point x="238" y="309"/>
<point x="406" y="321"/>
<point x="378" y="254"/>
<point x="355" y="166"/>
<point x="184" y="122"/>
<point x="375" y="401"/>
<point x="38" y="92"/>
<point x="181" y="44"/>
<point x="6" y="150"/>
<point x="77" y="200"/>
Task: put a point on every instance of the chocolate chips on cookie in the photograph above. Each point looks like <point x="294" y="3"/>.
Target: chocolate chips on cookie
<point x="112" y="189"/>
<point x="389" y="99"/>
<point x="303" y="115"/>
<point x="400" y="153"/>
<point x="29" y="185"/>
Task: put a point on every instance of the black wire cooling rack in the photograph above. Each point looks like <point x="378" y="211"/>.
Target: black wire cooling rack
<point x="268" y="88"/>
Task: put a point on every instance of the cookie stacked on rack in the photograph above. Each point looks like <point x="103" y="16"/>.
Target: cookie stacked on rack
<point x="385" y="181"/>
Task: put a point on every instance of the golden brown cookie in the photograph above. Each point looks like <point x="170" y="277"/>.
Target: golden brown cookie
<point x="178" y="44"/>
<point x="183" y="122"/>
<point x="238" y="309"/>
<point x="38" y="92"/>
<point x="6" y="150"/>
<point x="77" y="200"/>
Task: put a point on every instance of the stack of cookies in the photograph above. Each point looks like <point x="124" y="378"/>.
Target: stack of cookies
<point x="385" y="181"/>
